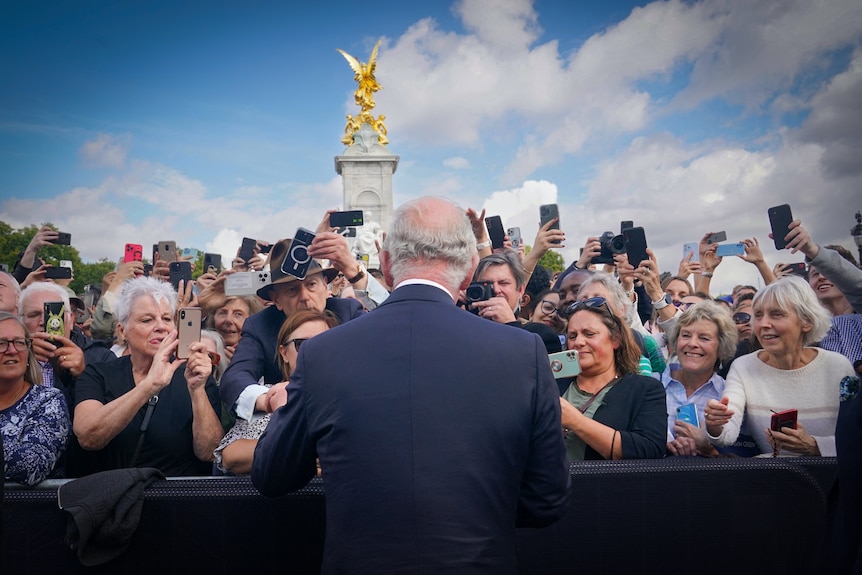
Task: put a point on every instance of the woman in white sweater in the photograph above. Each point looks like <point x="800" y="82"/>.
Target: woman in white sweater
<point x="788" y="373"/>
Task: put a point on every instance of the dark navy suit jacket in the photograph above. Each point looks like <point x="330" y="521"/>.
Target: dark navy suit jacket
<point x="437" y="436"/>
<point x="255" y="353"/>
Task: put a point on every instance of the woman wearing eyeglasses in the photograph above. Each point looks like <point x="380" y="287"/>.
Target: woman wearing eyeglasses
<point x="148" y="409"/>
<point x="235" y="453"/>
<point x="546" y="311"/>
<point x="34" y="419"/>
<point x="609" y="410"/>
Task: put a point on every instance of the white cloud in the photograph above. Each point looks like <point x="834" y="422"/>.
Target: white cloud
<point x="105" y="151"/>
<point x="457" y="163"/>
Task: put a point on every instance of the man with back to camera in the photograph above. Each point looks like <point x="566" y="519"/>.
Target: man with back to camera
<point x="440" y="445"/>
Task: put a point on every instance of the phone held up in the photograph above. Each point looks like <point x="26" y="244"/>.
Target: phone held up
<point x="297" y="261"/>
<point x="212" y="263"/>
<point x="133" y="253"/>
<point x="780" y="218"/>
<point x="55" y="318"/>
<point x="737" y="249"/>
<point x="781" y="419"/>
<point x="515" y="237"/>
<point x="58" y="273"/>
<point x="548" y="212"/>
<point x="691" y="248"/>
<point x="636" y="245"/>
<point x="188" y="330"/>
<point x="246" y="250"/>
<point x="63" y="239"/>
<point x="565" y="364"/>
<point x="168" y="251"/>
<point x="180" y="271"/>
<point x="348" y="219"/>
<point x="495" y="231"/>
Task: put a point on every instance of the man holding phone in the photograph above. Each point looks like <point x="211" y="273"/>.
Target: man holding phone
<point x="61" y="357"/>
<point x="27" y="261"/>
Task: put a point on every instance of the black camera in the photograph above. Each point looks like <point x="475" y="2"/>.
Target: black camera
<point x="479" y="291"/>
<point x="611" y="245"/>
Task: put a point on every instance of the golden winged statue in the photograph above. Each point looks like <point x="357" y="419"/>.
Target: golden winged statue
<point x="364" y="76"/>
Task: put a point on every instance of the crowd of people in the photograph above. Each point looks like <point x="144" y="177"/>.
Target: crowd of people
<point x="651" y="343"/>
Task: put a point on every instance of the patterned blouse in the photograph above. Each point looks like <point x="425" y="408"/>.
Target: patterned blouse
<point x="35" y="431"/>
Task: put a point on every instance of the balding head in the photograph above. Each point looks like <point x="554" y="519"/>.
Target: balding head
<point x="9" y="293"/>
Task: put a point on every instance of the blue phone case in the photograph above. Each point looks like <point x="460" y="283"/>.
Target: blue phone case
<point x="688" y="414"/>
<point x="730" y="250"/>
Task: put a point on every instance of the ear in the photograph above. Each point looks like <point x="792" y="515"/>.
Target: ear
<point x="386" y="268"/>
<point x="469" y="277"/>
<point x="525" y="299"/>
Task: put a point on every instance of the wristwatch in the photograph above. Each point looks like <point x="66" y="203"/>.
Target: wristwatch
<point x="358" y="276"/>
<point x="663" y="302"/>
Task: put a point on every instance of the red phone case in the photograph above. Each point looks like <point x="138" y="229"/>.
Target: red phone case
<point x="786" y="418"/>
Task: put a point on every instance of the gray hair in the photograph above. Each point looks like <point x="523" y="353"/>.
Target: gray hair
<point x="429" y="231"/>
<point x="710" y="311"/>
<point x="135" y="288"/>
<point x="44" y="287"/>
<point x="15" y="285"/>
<point x="792" y="292"/>
<point x="619" y="299"/>
<point x="503" y="258"/>
<point x="34" y="371"/>
<point x="217" y="339"/>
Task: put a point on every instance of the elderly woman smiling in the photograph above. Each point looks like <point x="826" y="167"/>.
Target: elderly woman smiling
<point x="148" y="409"/>
<point x="788" y="373"/>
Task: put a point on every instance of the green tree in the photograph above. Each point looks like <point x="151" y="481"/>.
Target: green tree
<point x="552" y="260"/>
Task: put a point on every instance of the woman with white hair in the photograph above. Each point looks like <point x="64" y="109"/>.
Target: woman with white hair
<point x="148" y="408"/>
<point x="788" y="373"/>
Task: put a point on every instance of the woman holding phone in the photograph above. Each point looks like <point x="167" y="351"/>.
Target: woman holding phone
<point x="788" y="373"/>
<point x="147" y="408"/>
<point x="609" y="411"/>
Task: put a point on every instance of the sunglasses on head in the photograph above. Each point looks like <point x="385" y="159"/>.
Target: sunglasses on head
<point x="598" y="303"/>
<point x="741" y="318"/>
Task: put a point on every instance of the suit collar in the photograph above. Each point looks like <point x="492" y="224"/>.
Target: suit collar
<point x="419" y="291"/>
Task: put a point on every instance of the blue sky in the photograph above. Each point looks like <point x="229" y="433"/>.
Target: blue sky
<point x="204" y="122"/>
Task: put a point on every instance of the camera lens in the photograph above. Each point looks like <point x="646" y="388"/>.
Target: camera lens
<point x="618" y="245"/>
<point x="474" y="293"/>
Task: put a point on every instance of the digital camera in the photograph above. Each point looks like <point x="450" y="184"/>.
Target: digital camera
<point x="611" y="246"/>
<point x="479" y="291"/>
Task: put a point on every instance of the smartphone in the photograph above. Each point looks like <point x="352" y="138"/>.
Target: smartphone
<point x="688" y="414"/>
<point x="798" y="268"/>
<point x="148" y="270"/>
<point x="495" y="231"/>
<point x="246" y="251"/>
<point x="245" y="283"/>
<point x="67" y="264"/>
<point x="779" y="220"/>
<point x="547" y="212"/>
<point x="515" y="236"/>
<point x="716" y="238"/>
<point x="352" y="218"/>
<point x="212" y="263"/>
<point x="58" y="273"/>
<point x="297" y="261"/>
<point x="133" y="253"/>
<point x="691" y="248"/>
<point x="188" y="330"/>
<point x="63" y="239"/>
<point x="730" y="250"/>
<point x="786" y="418"/>
<point x="626" y="224"/>
<point x="268" y="247"/>
<point x="168" y="251"/>
<point x="180" y="271"/>
<point x="565" y="363"/>
<point x="636" y="245"/>
<point x="55" y="317"/>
